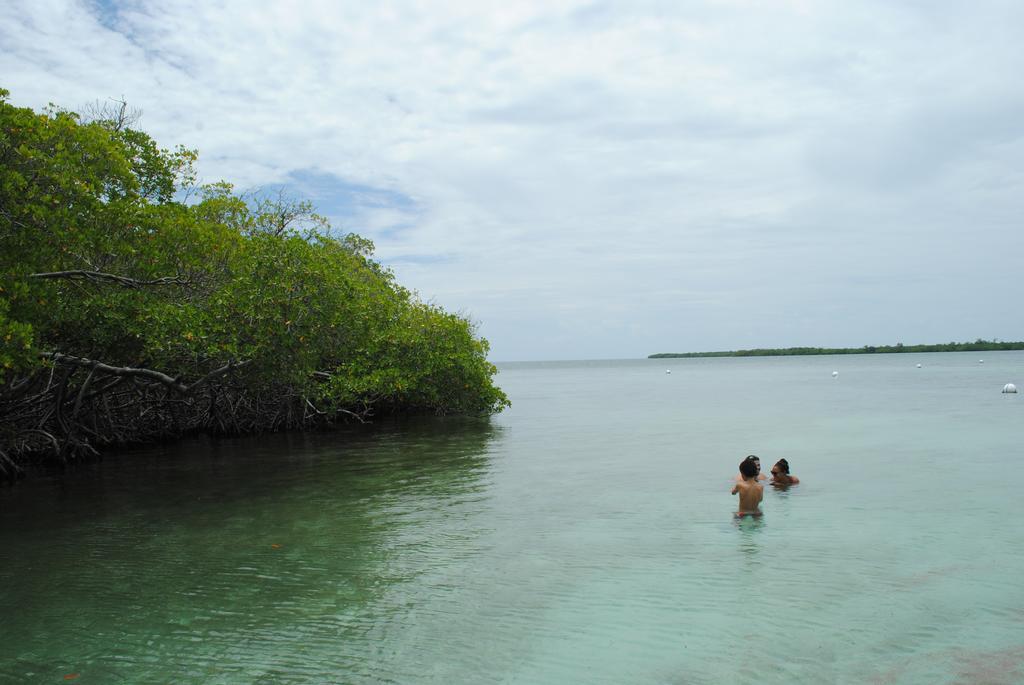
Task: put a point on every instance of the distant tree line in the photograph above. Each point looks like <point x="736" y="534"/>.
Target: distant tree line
<point x="978" y="345"/>
<point x="137" y="305"/>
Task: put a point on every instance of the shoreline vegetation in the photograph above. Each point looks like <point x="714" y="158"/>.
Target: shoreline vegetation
<point x="976" y="346"/>
<point x="138" y="305"/>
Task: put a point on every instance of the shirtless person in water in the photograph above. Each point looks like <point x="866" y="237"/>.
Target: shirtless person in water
<point x="757" y="462"/>
<point x="749" y="490"/>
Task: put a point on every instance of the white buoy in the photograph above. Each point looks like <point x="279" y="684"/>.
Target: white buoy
<point x="668" y="370"/>
<point x="1009" y="387"/>
<point x="981" y="361"/>
<point x="919" y="366"/>
<point x="834" y="374"/>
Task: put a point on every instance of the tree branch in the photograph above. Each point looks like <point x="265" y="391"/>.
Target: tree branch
<point x="99" y="276"/>
<point x="217" y="372"/>
<point x="149" y="374"/>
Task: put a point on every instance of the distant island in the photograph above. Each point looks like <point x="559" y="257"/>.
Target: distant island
<point x="978" y="345"/>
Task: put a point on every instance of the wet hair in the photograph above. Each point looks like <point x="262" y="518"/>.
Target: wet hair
<point x="748" y="467"/>
<point x="784" y="465"/>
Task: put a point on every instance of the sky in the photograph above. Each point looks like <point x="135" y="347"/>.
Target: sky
<point x="597" y="180"/>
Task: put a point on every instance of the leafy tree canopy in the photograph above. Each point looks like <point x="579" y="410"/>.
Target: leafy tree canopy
<point x="135" y="304"/>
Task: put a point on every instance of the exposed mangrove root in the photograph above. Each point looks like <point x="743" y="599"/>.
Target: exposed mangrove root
<point x="63" y="415"/>
<point x="9" y="470"/>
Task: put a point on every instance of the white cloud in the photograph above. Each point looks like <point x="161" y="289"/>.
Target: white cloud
<point x="592" y="180"/>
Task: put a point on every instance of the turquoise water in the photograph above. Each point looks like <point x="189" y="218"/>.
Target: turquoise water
<point x="584" y="536"/>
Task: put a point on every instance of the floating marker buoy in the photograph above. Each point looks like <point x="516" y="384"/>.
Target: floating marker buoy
<point x="834" y="374"/>
<point x="668" y="370"/>
<point x="1009" y="387"/>
<point x="919" y="366"/>
<point x="981" y="361"/>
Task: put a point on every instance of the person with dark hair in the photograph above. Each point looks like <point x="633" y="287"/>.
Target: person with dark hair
<point x="781" y="475"/>
<point x="749" y="490"/>
<point x="757" y="462"/>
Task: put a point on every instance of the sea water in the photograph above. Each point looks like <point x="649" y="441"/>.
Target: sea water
<point x="585" y="535"/>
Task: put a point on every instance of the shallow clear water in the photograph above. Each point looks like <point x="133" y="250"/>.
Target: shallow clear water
<point x="584" y="536"/>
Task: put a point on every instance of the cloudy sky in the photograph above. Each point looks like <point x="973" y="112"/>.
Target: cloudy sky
<point x="603" y="179"/>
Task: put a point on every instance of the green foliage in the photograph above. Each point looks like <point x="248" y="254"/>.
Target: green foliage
<point x="976" y="346"/>
<point x="101" y="258"/>
<point x="15" y="345"/>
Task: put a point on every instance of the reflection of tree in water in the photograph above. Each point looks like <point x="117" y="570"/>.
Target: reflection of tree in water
<point x="422" y="457"/>
<point x="281" y="557"/>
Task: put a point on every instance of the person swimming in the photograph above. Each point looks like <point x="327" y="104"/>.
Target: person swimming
<point x="750" y="491"/>
<point x="757" y="462"/>
<point x="781" y="475"/>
